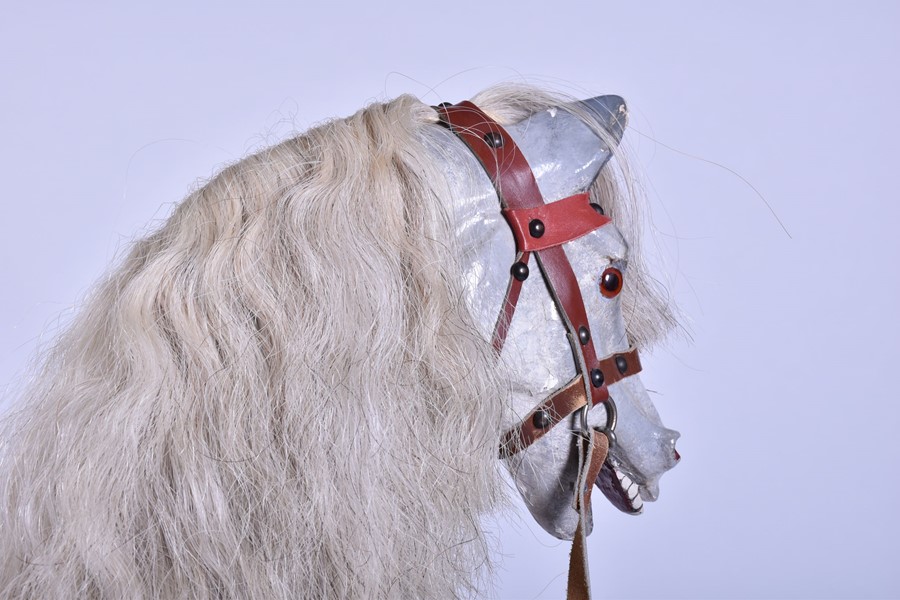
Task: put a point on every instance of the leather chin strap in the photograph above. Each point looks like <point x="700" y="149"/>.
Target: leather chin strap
<point x="540" y="229"/>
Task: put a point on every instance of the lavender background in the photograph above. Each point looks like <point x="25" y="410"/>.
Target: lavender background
<point x="784" y="396"/>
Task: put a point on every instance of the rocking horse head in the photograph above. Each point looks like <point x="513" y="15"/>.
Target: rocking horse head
<point x="564" y="150"/>
<point x="299" y="385"/>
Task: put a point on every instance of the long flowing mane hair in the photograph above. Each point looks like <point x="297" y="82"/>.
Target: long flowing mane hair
<point x="279" y="392"/>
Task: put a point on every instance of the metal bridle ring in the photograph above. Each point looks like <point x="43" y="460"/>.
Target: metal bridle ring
<point x="612" y="418"/>
<point x="585" y="427"/>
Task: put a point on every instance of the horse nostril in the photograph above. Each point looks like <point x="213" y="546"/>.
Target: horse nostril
<point x="677" y="456"/>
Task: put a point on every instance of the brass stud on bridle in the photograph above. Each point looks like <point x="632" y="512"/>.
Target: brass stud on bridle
<point x="584" y="336"/>
<point x="536" y="228"/>
<point x="519" y="271"/>
<point x="493" y="139"/>
<point x="541" y="419"/>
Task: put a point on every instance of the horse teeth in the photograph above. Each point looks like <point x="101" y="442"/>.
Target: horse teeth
<point x="631" y="489"/>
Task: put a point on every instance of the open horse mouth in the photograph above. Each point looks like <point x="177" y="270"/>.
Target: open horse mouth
<point x="619" y="489"/>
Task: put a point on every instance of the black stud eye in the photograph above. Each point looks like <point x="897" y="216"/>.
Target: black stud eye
<point x="445" y="105"/>
<point x="584" y="336"/>
<point x="621" y="364"/>
<point x="597" y="378"/>
<point x="536" y="228"/>
<point x="611" y="282"/>
<point x="493" y="139"/>
<point x="541" y="419"/>
<point x="519" y="271"/>
<point x="597" y="208"/>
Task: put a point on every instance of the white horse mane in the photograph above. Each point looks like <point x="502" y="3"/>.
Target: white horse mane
<point x="280" y="393"/>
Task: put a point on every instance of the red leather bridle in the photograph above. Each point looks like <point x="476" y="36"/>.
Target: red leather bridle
<point x="540" y="229"/>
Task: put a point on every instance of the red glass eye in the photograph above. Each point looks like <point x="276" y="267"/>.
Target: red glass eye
<point x="611" y="282"/>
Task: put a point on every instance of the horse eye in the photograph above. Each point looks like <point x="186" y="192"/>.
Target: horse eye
<point x="611" y="282"/>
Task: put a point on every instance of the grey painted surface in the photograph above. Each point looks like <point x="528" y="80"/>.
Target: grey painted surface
<point x="785" y="396"/>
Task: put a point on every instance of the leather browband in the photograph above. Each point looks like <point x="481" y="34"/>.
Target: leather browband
<point x="564" y="220"/>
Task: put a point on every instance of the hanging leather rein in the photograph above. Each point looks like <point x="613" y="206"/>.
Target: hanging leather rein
<point x="540" y="229"/>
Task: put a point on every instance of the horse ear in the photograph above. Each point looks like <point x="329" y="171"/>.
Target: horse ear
<point x="566" y="153"/>
<point x="610" y="111"/>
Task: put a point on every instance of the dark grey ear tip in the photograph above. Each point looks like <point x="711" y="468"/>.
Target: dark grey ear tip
<point x="611" y="111"/>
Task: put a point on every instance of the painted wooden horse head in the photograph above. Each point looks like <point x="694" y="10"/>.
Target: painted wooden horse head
<point x="545" y="268"/>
